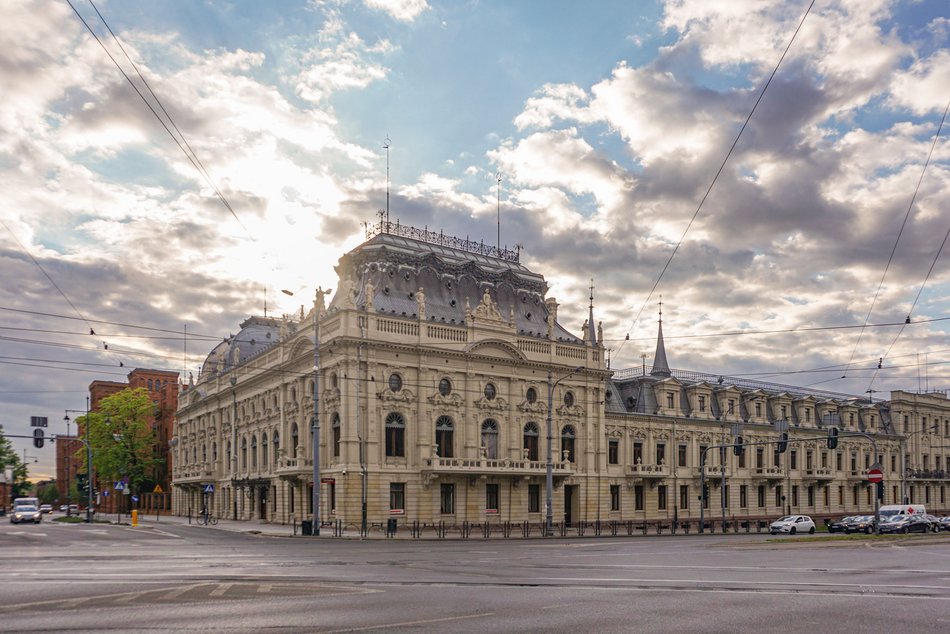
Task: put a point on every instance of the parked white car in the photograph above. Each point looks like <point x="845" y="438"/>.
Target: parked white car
<point x="793" y="524"/>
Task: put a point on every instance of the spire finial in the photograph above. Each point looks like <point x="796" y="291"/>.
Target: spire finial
<point x="387" y="143"/>
<point x="661" y="309"/>
<point x="591" y="328"/>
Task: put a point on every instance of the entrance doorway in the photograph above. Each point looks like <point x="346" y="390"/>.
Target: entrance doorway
<point x="570" y="503"/>
<point x="262" y="503"/>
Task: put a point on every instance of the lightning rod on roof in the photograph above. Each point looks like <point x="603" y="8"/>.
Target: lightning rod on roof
<point x="386" y="145"/>
<point x="498" y="177"/>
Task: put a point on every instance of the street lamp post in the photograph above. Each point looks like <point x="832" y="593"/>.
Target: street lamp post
<point x="315" y="428"/>
<point x="549" y="473"/>
<point x="234" y="462"/>
<point x="89" y="470"/>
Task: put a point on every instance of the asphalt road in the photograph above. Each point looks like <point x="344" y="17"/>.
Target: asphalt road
<point x="186" y="578"/>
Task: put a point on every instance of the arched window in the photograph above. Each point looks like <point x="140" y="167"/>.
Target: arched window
<point x="334" y="381"/>
<point x="531" y="395"/>
<point x="254" y="451"/>
<point x="264" y="449"/>
<point x="244" y="453"/>
<point x="150" y="385"/>
<point x="490" y="439"/>
<point x="293" y="395"/>
<point x="294" y="439"/>
<point x="335" y="425"/>
<point x="395" y="435"/>
<point x="444" y="437"/>
<point x="276" y="447"/>
<point x="490" y="391"/>
<point x="567" y="443"/>
<point x="531" y="435"/>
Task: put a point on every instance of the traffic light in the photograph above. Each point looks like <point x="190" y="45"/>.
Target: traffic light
<point x="833" y="438"/>
<point x="38" y="438"/>
<point x="737" y="448"/>
<point x="82" y="483"/>
<point x="782" y="443"/>
<point x="880" y="491"/>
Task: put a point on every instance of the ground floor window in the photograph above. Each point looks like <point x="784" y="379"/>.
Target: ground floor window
<point x="447" y="499"/>
<point x="795" y="495"/>
<point x="491" y="498"/>
<point x="534" y="498"/>
<point x="761" y="496"/>
<point x="331" y="494"/>
<point x="614" y="497"/>
<point x="811" y="496"/>
<point x="684" y="496"/>
<point x="638" y="497"/>
<point x="661" y="497"/>
<point x="397" y="496"/>
<point x="743" y="496"/>
<point x="779" y="501"/>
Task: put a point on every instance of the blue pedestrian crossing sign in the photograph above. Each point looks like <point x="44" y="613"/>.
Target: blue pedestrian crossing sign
<point x="208" y="488"/>
<point x="119" y="485"/>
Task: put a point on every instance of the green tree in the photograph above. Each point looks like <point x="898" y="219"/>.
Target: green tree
<point x="10" y="460"/>
<point x="48" y="494"/>
<point x="121" y="437"/>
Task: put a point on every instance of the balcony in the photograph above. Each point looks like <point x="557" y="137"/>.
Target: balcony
<point x="714" y="470"/>
<point x="642" y="471"/>
<point x="769" y="473"/>
<point x="927" y="474"/>
<point x="821" y="474"/>
<point x="436" y="466"/>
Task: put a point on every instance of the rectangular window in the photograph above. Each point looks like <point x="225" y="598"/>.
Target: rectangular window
<point x="397" y="497"/>
<point x="759" y="456"/>
<point x="827" y="497"/>
<point x="840" y="496"/>
<point x="743" y="496"/>
<point x="793" y="459"/>
<point x="906" y="423"/>
<point x="534" y="498"/>
<point x="854" y="462"/>
<point x="760" y="496"/>
<point x="779" y="502"/>
<point x="491" y="498"/>
<point x="613" y="451"/>
<point x="807" y="415"/>
<point x="637" y="453"/>
<point x="811" y="496"/>
<point x="331" y="493"/>
<point x="684" y="496"/>
<point x="669" y="400"/>
<point x="758" y="409"/>
<point x="724" y="499"/>
<point x="809" y="461"/>
<point x="730" y="406"/>
<point x="702" y="453"/>
<point x="660" y="453"/>
<point x="838" y="460"/>
<point x="638" y="497"/>
<point x="447" y="499"/>
<point x="702" y="403"/>
<point x="776" y="459"/>
<point x="614" y="497"/>
<point x="893" y="463"/>
<point x="742" y="460"/>
<point x="661" y="497"/>
<point x="784" y="412"/>
<point x="681" y="455"/>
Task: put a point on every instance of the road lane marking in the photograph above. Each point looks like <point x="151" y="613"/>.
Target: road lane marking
<point x="265" y="588"/>
<point x="735" y="582"/>
<point x="387" y="626"/>
<point x="220" y="590"/>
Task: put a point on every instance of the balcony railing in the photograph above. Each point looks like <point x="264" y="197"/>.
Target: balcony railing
<point x="819" y="473"/>
<point x="928" y="474"/>
<point x="489" y="466"/>
<point x="650" y="471"/>
<point x="770" y="473"/>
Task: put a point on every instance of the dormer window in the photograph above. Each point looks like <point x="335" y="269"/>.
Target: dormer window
<point x="758" y="409"/>
<point x="702" y="403"/>
<point x="669" y="400"/>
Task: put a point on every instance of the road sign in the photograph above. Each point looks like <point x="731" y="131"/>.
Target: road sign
<point x="135" y="498"/>
<point x="208" y="488"/>
<point x="39" y="421"/>
<point x="158" y="489"/>
<point x="328" y="480"/>
<point x="119" y="485"/>
<point x="105" y="494"/>
<point x="875" y="475"/>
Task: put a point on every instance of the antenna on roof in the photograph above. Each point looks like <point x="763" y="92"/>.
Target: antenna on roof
<point x="498" y="177"/>
<point x="386" y="144"/>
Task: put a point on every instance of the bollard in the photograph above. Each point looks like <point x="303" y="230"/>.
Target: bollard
<point x="135" y="517"/>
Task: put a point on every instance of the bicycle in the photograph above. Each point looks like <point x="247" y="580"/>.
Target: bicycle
<point x="209" y="519"/>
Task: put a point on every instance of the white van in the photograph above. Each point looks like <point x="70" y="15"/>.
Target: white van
<point x="26" y="502"/>
<point x="902" y="509"/>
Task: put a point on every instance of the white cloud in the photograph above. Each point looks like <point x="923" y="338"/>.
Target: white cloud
<point x="405" y="10"/>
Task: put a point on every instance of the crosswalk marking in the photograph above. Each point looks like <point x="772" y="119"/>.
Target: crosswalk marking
<point x="220" y="590"/>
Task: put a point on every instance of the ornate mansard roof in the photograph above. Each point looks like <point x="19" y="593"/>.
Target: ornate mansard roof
<point x="401" y="270"/>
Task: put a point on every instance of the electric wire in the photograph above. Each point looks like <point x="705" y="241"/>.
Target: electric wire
<point x="719" y="171"/>
<point x="897" y="240"/>
<point x="192" y="159"/>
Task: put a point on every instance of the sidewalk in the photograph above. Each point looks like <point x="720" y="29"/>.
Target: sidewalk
<point x="252" y="527"/>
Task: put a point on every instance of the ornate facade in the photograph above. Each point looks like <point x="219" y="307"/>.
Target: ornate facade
<point x="436" y="357"/>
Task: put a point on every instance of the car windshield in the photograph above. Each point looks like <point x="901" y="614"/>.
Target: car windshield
<point x="25" y="509"/>
<point x="787" y="518"/>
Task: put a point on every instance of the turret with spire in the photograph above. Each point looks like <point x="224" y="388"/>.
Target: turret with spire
<point x="660" y="365"/>
<point x="591" y="332"/>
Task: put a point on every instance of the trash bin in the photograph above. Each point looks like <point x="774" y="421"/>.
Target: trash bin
<point x="391" y="527"/>
<point x="306" y="527"/>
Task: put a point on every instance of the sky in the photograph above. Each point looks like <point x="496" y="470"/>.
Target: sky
<point x="607" y="123"/>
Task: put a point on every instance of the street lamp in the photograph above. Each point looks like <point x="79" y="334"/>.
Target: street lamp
<point x="315" y="428"/>
<point x="89" y="470"/>
<point x="233" y="381"/>
<point x="549" y="481"/>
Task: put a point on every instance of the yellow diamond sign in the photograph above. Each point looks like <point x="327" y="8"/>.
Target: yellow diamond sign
<point x="158" y="489"/>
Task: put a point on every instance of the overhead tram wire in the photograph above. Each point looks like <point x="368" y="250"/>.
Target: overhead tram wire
<point x="719" y="171"/>
<point x="110" y="323"/>
<point x="193" y="159"/>
<point x="890" y="258"/>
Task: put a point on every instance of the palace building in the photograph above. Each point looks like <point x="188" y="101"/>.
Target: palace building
<point x="437" y="359"/>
